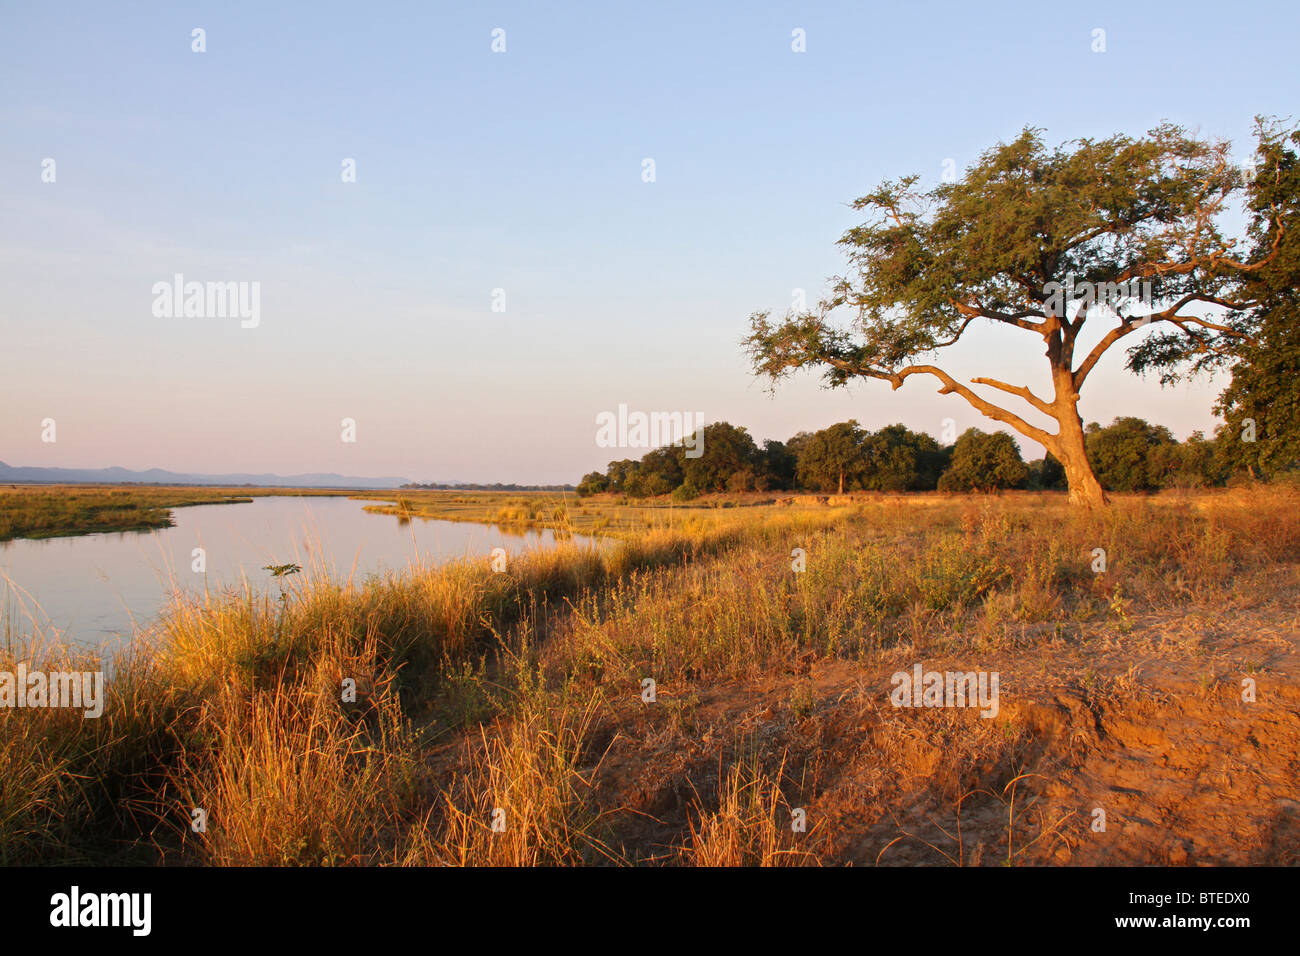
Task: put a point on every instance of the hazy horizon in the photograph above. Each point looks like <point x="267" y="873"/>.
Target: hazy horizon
<point x="522" y="171"/>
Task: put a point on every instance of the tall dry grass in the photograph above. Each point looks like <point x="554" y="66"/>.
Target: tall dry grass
<point x="525" y="800"/>
<point x="753" y="823"/>
<point x="232" y="703"/>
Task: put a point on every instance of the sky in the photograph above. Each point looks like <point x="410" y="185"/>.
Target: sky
<point x="499" y="271"/>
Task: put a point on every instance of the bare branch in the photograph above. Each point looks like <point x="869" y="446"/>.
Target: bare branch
<point x="1019" y="319"/>
<point x="950" y="384"/>
<point x="1214" y="260"/>
<point x="957" y="335"/>
<point x="1167" y="315"/>
<point x="1018" y="390"/>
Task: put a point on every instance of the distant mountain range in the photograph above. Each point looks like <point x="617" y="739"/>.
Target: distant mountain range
<point x="157" y="476"/>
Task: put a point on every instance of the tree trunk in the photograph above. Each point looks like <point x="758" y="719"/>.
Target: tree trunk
<point x="841" y="491"/>
<point x="1084" y="487"/>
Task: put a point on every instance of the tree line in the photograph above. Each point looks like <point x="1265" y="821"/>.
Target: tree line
<point x="479" y="486"/>
<point x="1130" y="454"/>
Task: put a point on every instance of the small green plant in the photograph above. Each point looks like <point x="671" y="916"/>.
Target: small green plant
<point x="282" y="571"/>
<point x="1119" y="607"/>
<point x="802" y="700"/>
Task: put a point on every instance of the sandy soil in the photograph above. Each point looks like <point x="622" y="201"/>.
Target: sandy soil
<point x="1148" y="726"/>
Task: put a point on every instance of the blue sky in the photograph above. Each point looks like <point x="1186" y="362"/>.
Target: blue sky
<point x="519" y="171"/>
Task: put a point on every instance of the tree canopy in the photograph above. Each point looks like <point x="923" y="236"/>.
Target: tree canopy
<point x="983" y="461"/>
<point x="1261" y="404"/>
<point x="1127" y="454"/>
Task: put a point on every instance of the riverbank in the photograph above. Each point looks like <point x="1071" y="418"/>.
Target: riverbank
<point x="617" y="515"/>
<point x="53" y="511"/>
<point x="560" y="512"/>
<point x="717" y="692"/>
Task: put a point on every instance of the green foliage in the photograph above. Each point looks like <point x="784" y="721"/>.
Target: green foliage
<point x="833" y="459"/>
<point x="685" y="493"/>
<point x="1265" y="393"/>
<point x="618" y="473"/>
<point x="1023" y="216"/>
<point x="658" y="473"/>
<point x="844" y="457"/>
<point x="730" y="460"/>
<point x="1260" y="339"/>
<point x="778" y="465"/>
<point x="593" y="483"/>
<point x="903" y="460"/>
<point x="983" y="461"/>
<point x="1130" y="454"/>
<point x="1195" y="463"/>
<point x="1046" y="474"/>
<point x="1265" y="386"/>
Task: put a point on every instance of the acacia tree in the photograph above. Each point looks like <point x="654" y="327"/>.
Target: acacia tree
<point x="1122" y="231"/>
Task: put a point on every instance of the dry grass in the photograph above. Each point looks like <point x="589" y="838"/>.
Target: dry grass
<point x="479" y="691"/>
<point x="524" y="801"/>
<point x="753" y="825"/>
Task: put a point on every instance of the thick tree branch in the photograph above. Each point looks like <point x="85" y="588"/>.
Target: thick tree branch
<point x="1167" y="315"/>
<point x="950" y="384"/>
<point x="1018" y="390"/>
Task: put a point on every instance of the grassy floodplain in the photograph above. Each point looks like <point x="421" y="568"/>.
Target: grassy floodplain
<point x="605" y="515"/>
<point x="51" y="511"/>
<point x="518" y="697"/>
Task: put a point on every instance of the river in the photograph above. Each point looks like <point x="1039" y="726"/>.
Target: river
<point x="89" y="589"/>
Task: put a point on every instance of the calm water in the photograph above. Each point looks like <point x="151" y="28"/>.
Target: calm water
<point x="90" y="588"/>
